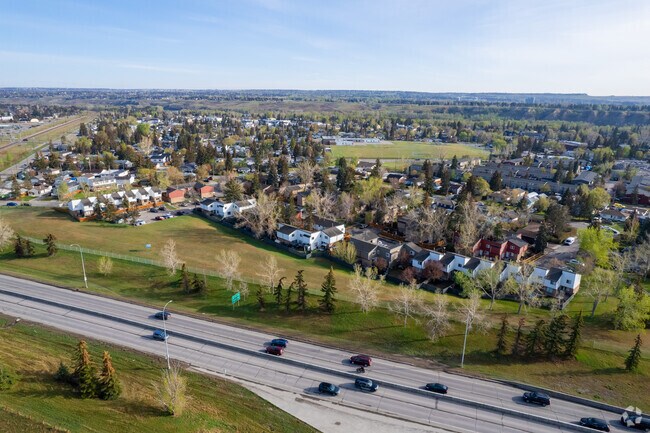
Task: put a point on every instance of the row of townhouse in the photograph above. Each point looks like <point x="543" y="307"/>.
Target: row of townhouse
<point x="324" y="235"/>
<point x="141" y="197"/>
<point x="226" y="209"/>
<point x="555" y="281"/>
<point x="106" y="179"/>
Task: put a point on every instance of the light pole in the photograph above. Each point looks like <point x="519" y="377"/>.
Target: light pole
<point x="462" y="359"/>
<point x="165" y="331"/>
<point x="83" y="266"/>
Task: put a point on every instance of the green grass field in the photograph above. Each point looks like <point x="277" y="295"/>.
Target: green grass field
<point x="34" y="352"/>
<point x="407" y="150"/>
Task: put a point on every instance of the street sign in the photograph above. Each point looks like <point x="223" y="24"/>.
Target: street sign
<point x="235" y="298"/>
<point x="147" y="246"/>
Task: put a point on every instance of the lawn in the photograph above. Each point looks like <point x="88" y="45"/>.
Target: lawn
<point x="597" y="371"/>
<point x="34" y="352"/>
<point x="407" y="150"/>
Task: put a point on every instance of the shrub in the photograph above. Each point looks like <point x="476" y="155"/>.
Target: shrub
<point x="7" y="378"/>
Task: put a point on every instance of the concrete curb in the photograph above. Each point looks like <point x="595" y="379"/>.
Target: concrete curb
<point x="352" y="376"/>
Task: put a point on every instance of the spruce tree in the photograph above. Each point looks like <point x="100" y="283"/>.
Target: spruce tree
<point x="287" y="298"/>
<point x="329" y="289"/>
<point x="554" y="335"/>
<point x="277" y="292"/>
<point x="518" y="344"/>
<point x="51" y="244"/>
<point x="574" y="338"/>
<point x="535" y="339"/>
<point x="84" y="371"/>
<point x="496" y="182"/>
<point x="109" y="387"/>
<point x="301" y="291"/>
<point x="502" y="342"/>
<point x="541" y="240"/>
<point x="185" y="279"/>
<point x="634" y="357"/>
<point x="198" y="284"/>
<point x="19" y="246"/>
<point x="261" y="302"/>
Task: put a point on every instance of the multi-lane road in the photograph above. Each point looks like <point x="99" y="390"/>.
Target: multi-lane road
<point x="239" y="352"/>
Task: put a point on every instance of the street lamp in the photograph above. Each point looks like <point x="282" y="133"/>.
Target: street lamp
<point x="462" y="359"/>
<point x="165" y="331"/>
<point x="83" y="266"/>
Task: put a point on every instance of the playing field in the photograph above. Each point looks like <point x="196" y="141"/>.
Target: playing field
<point x="407" y="150"/>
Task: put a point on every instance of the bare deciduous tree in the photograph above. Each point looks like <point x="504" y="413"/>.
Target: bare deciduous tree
<point x="524" y="287"/>
<point x="228" y="266"/>
<point x="305" y="171"/>
<point x="270" y="274"/>
<point x="243" y="289"/>
<point x="641" y="258"/>
<point x="438" y="317"/>
<point x="489" y="282"/>
<point x="407" y="303"/>
<point x="322" y="204"/>
<point x="599" y="284"/>
<point x="171" y="391"/>
<point x="345" y="251"/>
<point x="470" y="313"/>
<point x="365" y="286"/>
<point x="170" y="258"/>
<point x="468" y="219"/>
<point x="263" y="218"/>
<point x="345" y="207"/>
<point x="6" y="233"/>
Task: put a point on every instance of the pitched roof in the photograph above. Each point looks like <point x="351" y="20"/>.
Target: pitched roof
<point x="332" y="231"/>
<point x="472" y="264"/>
<point x="519" y="242"/>
<point x="554" y="274"/>
<point x="447" y="259"/>
<point x="364" y="249"/>
<point x="287" y="229"/>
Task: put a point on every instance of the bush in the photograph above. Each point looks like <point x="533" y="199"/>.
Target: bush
<point x="63" y="374"/>
<point x="7" y="378"/>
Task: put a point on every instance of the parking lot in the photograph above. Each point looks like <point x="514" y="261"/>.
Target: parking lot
<point x="166" y="211"/>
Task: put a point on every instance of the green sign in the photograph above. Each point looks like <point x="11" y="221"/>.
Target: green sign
<point x="235" y="298"/>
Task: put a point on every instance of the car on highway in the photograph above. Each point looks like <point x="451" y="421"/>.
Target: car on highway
<point x="569" y="241"/>
<point x="12" y="203"/>
<point x="537" y="397"/>
<point x="636" y="421"/>
<point x="366" y="385"/>
<point x="274" y="350"/>
<point x="328" y="388"/>
<point x="363" y="360"/>
<point x="163" y="315"/>
<point x="159" y="334"/>
<point x="595" y="423"/>
<point x="280" y="342"/>
<point x="436" y="387"/>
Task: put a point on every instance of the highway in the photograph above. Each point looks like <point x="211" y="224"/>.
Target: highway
<point x="239" y="352"/>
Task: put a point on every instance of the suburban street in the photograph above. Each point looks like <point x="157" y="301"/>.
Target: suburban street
<point x="239" y="353"/>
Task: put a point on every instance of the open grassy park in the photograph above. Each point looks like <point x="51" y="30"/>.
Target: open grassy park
<point x="407" y="150"/>
<point x="37" y="403"/>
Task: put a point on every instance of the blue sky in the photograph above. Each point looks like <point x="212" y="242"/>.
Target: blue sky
<point x="587" y="46"/>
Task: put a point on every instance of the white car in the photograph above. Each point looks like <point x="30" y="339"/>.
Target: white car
<point x="139" y="223"/>
<point x="569" y="241"/>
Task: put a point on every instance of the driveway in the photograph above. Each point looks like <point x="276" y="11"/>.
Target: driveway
<point x="563" y="253"/>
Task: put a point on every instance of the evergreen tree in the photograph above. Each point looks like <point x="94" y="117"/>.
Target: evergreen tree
<point x="109" y="387"/>
<point x="502" y="342"/>
<point x="233" y="191"/>
<point x="272" y="177"/>
<point x="19" y="246"/>
<point x="228" y="162"/>
<point x="376" y="170"/>
<point x="287" y="298"/>
<point x="454" y="163"/>
<point x="518" y="344"/>
<point x="541" y="240"/>
<point x="445" y="180"/>
<point x="84" y="371"/>
<point x="283" y="169"/>
<point x="185" y="279"/>
<point x="301" y="291"/>
<point x="329" y="289"/>
<point x="198" y="284"/>
<point x="277" y="292"/>
<point x="261" y="302"/>
<point x="51" y="245"/>
<point x="496" y="182"/>
<point x="555" y="335"/>
<point x="574" y="337"/>
<point x="535" y="339"/>
<point x="634" y="357"/>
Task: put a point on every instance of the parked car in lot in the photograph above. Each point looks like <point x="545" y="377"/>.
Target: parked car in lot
<point x="328" y="388"/>
<point x="569" y="241"/>
<point x="180" y="212"/>
<point x="280" y="342"/>
<point x="366" y="384"/>
<point x="159" y="218"/>
<point x="139" y="223"/>
<point x="159" y="334"/>
<point x="274" y="350"/>
<point x="166" y="315"/>
<point x="595" y="423"/>
<point x="436" y="387"/>
<point x="168" y="215"/>
<point x="161" y="208"/>
<point x="537" y="397"/>
<point x="363" y="360"/>
<point x="153" y="210"/>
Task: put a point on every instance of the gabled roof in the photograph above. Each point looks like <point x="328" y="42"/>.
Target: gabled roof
<point x="472" y="264"/>
<point x="324" y="222"/>
<point x="332" y="231"/>
<point x="519" y="242"/>
<point x="447" y="259"/>
<point x="364" y="249"/>
<point x="287" y="229"/>
<point x="421" y="256"/>
<point x="554" y="274"/>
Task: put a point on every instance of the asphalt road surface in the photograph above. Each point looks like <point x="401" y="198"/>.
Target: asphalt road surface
<point x="196" y="342"/>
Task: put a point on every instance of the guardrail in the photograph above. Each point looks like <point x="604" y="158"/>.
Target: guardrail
<point x="301" y="364"/>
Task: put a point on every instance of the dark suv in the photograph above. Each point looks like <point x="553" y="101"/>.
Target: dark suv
<point x="363" y="360"/>
<point x="636" y="421"/>
<point x="328" y="388"/>
<point x="595" y="423"/>
<point x="537" y="397"/>
<point x="366" y="384"/>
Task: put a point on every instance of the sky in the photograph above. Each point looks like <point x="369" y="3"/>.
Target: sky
<point x="560" y="46"/>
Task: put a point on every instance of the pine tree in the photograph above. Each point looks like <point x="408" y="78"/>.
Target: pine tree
<point x="329" y="289"/>
<point x="277" y="292"/>
<point x="261" y="301"/>
<point x="518" y="344"/>
<point x="541" y="240"/>
<point x="634" y="357"/>
<point x="454" y="163"/>
<point x="301" y="291"/>
<point x="84" y="372"/>
<point x="554" y="335"/>
<point x="51" y="244"/>
<point x="272" y="177"/>
<point x="535" y="339"/>
<point x="287" y="298"/>
<point x="502" y="342"/>
<point x="185" y="279"/>
<point x="198" y="284"/>
<point x="109" y="387"/>
<point x="496" y="182"/>
<point x="574" y="338"/>
<point x="19" y="246"/>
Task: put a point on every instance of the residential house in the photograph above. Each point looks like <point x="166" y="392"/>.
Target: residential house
<point x="203" y="190"/>
<point x="613" y="214"/>
<point x="510" y="249"/>
<point x="174" y="195"/>
<point x="588" y="178"/>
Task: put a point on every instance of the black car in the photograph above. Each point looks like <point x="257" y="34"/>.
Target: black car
<point x="537" y="397"/>
<point x="436" y="387"/>
<point x="328" y="388"/>
<point x="595" y="423"/>
<point x="163" y="315"/>
<point x="366" y="384"/>
<point x="281" y="342"/>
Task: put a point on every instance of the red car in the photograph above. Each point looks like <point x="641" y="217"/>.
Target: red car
<point x="363" y="360"/>
<point x="274" y="350"/>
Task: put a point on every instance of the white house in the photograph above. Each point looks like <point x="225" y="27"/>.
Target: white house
<point x="613" y="214"/>
<point x="227" y="209"/>
<point x="310" y="240"/>
<point x="82" y="207"/>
